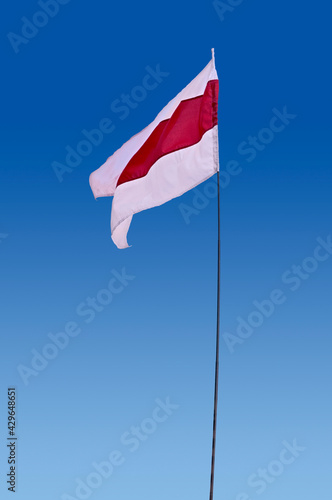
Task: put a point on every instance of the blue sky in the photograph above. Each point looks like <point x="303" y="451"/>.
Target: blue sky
<point x="126" y="387"/>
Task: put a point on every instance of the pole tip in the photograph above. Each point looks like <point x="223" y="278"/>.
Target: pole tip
<point x="212" y="50"/>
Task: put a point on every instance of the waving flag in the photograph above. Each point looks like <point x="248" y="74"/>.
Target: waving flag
<point x="172" y="155"/>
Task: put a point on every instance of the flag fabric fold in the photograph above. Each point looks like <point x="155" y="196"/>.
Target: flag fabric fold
<point x="172" y="155"/>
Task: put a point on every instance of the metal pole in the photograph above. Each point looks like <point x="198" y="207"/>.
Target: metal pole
<point x="216" y="380"/>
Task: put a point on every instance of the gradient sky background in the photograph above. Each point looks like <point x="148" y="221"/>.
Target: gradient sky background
<point x="156" y="338"/>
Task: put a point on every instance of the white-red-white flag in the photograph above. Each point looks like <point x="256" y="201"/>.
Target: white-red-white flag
<point x="172" y="155"/>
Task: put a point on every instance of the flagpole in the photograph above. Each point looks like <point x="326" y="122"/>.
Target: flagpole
<point x="216" y="377"/>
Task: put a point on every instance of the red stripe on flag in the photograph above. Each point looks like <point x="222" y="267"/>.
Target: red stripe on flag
<point x="186" y="127"/>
